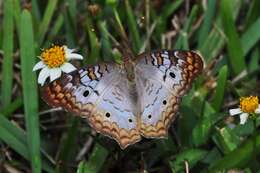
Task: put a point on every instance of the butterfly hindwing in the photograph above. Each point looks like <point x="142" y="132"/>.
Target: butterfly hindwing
<point x="163" y="77"/>
<point x="99" y="94"/>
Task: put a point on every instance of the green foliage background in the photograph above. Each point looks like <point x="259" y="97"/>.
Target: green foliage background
<point x="35" y="138"/>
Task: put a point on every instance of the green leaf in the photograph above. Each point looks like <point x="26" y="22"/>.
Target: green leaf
<point x="239" y="157"/>
<point x="13" y="137"/>
<point x="95" y="162"/>
<point x="207" y="22"/>
<point x="192" y="156"/>
<point x="30" y="94"/>
<point x="251" y="36"/>
<point x="7" y="73"/>
<point x="186" y="123"/>
<point x="17" y="13"/>
<point x="213" y="155"/>
<point x="36" y="10"/>
<point x="133" y="27"/>
<point x="57" y="26"/>
<point x="70" y="32"/>
<point x="68" y="140"/>
<point x="253" y="65"/>
<point x="220" y="89"/>
<point x="226" y="139"/>
<point x="44" y="25"/>
<point x="203" y="129"/>
<point x="93" y="42"/>
<point x="72" y="10"/>
<point x="253" y="12"/>
<point x="82" y="167"/>
<point x="105" y="44"/>
<point x="235" y="51"/>
<point x="244" y="129"/>
<point x="18" y="102"/>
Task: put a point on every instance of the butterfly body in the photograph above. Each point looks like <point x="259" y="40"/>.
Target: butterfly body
<point x="138" y="98"/>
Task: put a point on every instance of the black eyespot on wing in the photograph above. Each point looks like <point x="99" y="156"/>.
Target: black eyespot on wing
<point x="130" y="120"/>
<point x="107" y="114"/>
<point x="172" y="74"/>
<point x="164" y="102"/>
<point x="150" y="116"/>
<point x="86" y="93"/>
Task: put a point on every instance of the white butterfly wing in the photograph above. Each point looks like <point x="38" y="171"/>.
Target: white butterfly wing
<point x="163" y="77"/>
<point x="101" y="95"/>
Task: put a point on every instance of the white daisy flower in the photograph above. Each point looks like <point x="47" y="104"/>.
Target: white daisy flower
<point x="54" y="61"/>
<point x="248" y="106"/>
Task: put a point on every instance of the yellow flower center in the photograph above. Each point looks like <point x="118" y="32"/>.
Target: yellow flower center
<point x="249" y="104"/>
<point x="54" y="56"/>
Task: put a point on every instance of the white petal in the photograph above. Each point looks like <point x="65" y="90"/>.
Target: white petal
<point x="55" y="73"/>
<point x="71" y="56"/>
<point x="38" y="66"/>
<point x="235" y="111"/>
<point x="243" y="118"/>
<point x="67" y="67"/>
<point x="67" y="50"/>
<point x="44" y="74"/>
<point x="257" y="111"/>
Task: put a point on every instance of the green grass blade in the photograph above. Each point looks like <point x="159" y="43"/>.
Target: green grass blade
<point x="93" y="42"/>
<point x="72" y="10"/>
<point x="251" y="36"/>
<point x="205" y="28"/>
<point x="54" y="31"/>
<point x="82" y="167"/>
<point x="17" y="13"/>
<point x="8" y="45"/>
<point x="18" y="102"/>
<point x="11" y="140"/>
<point x="44" y="25"/>
<point x="253" y="12"/>
<point x="166" y="12"/>
<point x="70" y="34"/>
<point x="68" y="140"/>
<point x="220" y="90"/>
<point x="203" y="129"/>
<point x="213" y="44"/>
<point x="235" y="51"/>
<point x="16" y="133"/>
<point x="30" y="95"/>
<point x="192" y="156"/>
<point x="182" y="41"/>
<point x="15" y="138"/>
<point x="36" y="10"/>
<point x="186" y="123"/>
<point x="254" y="60"/>
<point x="118" y="20"/>
<point x="133" y="27"/>
<point x="95" y="162"/>
<point x="216" y="38"/>
<point x="106" y="47"/>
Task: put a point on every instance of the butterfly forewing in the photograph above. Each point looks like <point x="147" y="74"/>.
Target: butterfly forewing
<point x="163" y="77"/>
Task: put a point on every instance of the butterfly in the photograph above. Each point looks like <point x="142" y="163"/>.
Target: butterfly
<point x="139" y="97"/>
